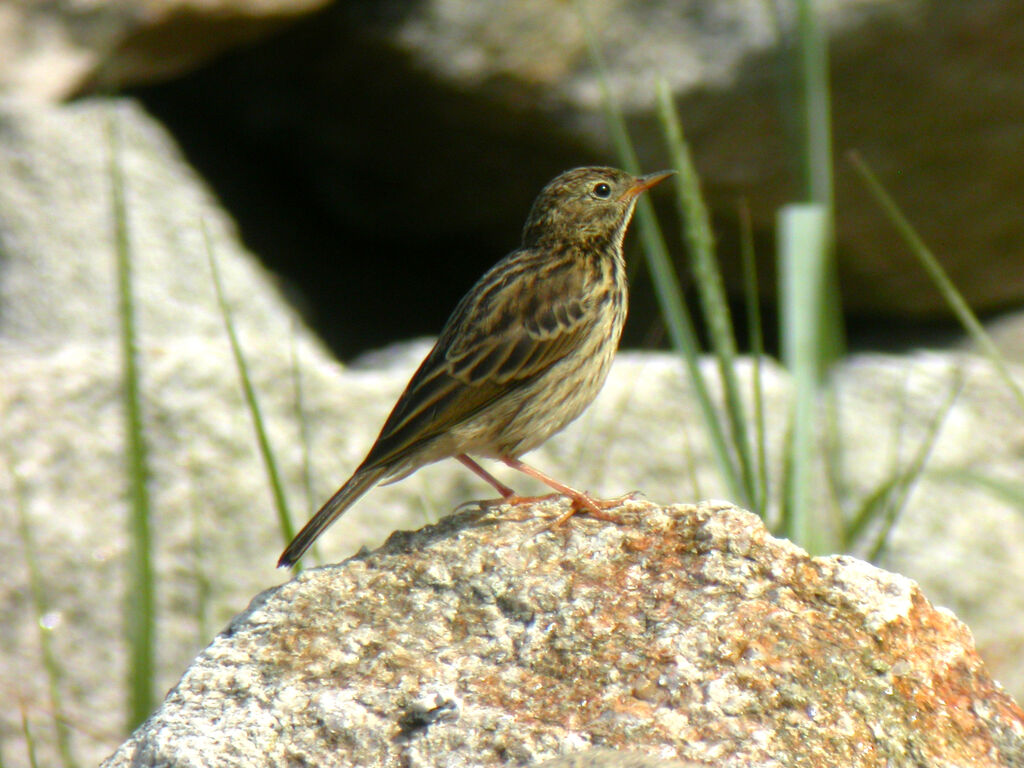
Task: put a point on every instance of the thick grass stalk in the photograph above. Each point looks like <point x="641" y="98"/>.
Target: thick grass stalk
<point x="698" y="235"/>
<point x="140" y="615"/>
<point x="803" y="234"/>
<point x="815" y="150"/>
<point x="813" y="76"/>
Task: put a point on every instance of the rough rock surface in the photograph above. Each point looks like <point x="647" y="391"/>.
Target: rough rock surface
<point x="611" y="758"/>
<point x="679" y="631"/>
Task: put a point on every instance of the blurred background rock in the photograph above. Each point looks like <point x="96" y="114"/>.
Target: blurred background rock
<point x="380" y="143"/>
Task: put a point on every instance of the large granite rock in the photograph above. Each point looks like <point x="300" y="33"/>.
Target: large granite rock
<point x="680" y="631"/>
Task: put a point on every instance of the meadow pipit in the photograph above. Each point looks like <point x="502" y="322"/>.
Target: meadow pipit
<point x="524" y="352"/>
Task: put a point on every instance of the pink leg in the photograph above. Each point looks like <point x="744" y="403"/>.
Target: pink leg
<point x="487" y="477"/>
<point x="580" y="501"/>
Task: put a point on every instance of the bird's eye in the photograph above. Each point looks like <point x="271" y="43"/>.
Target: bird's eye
<point x="602" y="190"/>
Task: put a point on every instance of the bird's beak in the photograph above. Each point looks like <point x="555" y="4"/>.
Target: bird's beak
<point x="644" y="183"/>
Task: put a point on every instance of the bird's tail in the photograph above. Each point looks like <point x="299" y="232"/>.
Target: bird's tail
<point x="362" y="481"/>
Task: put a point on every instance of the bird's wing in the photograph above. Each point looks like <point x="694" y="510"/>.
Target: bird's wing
<point x="523" y="316"/>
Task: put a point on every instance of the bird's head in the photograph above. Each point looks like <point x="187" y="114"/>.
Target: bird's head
<point x="586" y="203"/>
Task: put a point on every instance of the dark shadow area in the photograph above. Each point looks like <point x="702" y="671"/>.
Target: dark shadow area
<point x="379" y="195"/>
<point x="376" y="195"/>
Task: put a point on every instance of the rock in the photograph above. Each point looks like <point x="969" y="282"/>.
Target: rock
<point x="62" y="434"/>
<point x="611" y="758"/>
<point x="467" y="107"/>
<point x="54" y="50"/>
<point x="1007" y="332"/>
<point x="680" y="631"/>
<point x="963" y="506"/>
<point x="463" y="109"/>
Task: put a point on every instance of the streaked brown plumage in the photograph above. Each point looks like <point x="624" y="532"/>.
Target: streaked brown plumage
<point x="524" y="352"/>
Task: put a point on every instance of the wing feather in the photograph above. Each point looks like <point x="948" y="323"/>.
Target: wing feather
<point x="502" y="336"/>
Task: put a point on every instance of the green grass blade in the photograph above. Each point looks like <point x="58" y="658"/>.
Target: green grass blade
<point x="30" y="740"/>
<point x="815" y="105"/>
<point x="811" y="78"/>
<point x="888" y="502"/>
<point x="755" y="333"/>
<point x="269" y="462"/>
<point x="671" y="301"/>
<point x="684" y="341"/>
<point x="874" y="506"/>
<point x="670" y="295"/>
<point x="804" y="233"/>
<point x="698" y="235"/>
<point x="40" y="606"/>
<point x="938" y="275"/>
<point x="140" y="617"/>
<point x="1007" y="491"/>
<point x="304" y="435"/>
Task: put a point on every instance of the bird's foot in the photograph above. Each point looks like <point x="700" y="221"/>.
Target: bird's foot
<point x="581" y="501"/>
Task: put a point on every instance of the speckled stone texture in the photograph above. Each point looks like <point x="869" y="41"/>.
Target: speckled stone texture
<point x="611" y="758"/>
<point x="679" y="633"/>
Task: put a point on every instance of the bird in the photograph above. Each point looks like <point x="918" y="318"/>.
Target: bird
<point x="524" y="352"/>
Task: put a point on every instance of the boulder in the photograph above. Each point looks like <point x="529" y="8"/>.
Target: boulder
<point x="680" y="632"/>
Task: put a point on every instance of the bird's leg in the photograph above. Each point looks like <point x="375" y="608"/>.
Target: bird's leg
<point x="581" y="501"/>
<point x="506" y="492"/>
